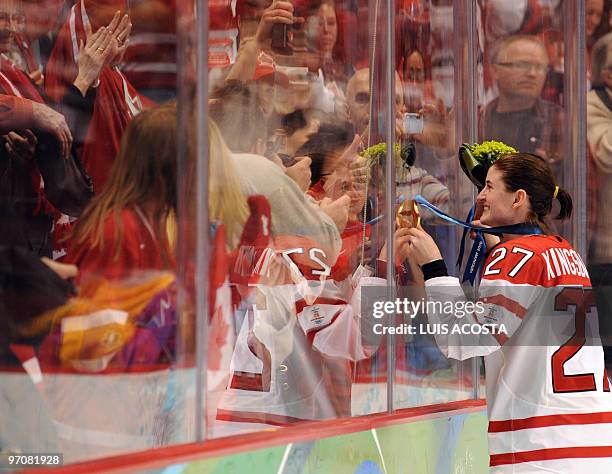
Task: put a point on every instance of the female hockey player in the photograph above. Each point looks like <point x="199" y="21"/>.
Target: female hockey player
<point x="548" y="394"/>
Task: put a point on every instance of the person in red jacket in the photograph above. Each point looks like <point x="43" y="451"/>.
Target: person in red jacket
<point x="125" y="227"/>
<point x="31" y="213"/>
<point x="111" y="101"/>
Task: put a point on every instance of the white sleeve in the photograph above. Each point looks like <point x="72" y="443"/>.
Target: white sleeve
<point x="479" y="329"/>
<point x="351" y="336"/>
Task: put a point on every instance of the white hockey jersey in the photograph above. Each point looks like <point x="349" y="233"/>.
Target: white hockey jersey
<point x="548" y="394"/>
<point x="297" y="342"/>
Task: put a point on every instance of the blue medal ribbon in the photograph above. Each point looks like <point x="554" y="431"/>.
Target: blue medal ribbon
<point x="479" y="247"/>
<point x="519" y="229"/>
<point x="470" y="218"/>
<point x="475" y="259"/>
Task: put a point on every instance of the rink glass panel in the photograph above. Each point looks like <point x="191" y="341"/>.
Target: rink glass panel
<point x="237" y="357"/>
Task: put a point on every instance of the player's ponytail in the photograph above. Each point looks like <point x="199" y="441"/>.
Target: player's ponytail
<point x="532" y="174"/>
<point x="565" y="200"/>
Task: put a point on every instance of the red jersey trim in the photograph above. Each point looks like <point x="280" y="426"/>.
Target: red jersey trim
<point x="313" y="332"/>
<point x="500" y="338"/>
<point x="255" y="417"/>
<point x="549" y="420"/>
<point x="507" y="303"/>
<point x="301" y="304"/>
<point x="550" y="454"/>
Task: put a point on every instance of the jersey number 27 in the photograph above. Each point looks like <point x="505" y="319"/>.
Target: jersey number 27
<point x="583" y="300"/>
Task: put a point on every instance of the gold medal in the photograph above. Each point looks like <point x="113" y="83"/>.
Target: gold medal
<point x="407" y="215"/>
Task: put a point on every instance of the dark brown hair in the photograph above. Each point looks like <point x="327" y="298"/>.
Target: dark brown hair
<point x="329" y="138"/>
<point x="533" y="175"/>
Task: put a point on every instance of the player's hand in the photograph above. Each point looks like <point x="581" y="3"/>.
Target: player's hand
<point x="418" y="245"/>
<point x="400" y="243"/>
<point x="400" y="247"/>
<point x="47" y="119"/>
<point x="300" y="172"/>
<point x="400" y="240"/>
<point x="490" y="239"/>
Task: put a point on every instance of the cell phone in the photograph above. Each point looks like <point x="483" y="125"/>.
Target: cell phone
<point x="413" y="123"/>
<point x="287" y="160"/>
<point x="281" y="39"/>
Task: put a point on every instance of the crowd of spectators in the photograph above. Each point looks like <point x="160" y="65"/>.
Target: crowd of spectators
<point x="90" y="186"/>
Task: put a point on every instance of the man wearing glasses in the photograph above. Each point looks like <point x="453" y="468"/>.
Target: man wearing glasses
<point x="518" y="116"/>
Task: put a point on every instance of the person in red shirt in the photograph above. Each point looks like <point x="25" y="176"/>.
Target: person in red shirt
<point x="30" y="211"/>
<point x="125" y="228"/>
<point x="112" y="102"/>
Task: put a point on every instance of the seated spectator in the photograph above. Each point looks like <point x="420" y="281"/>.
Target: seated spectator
<point x="597" y="14"/>
<point x="413" y="35"/>
<point x="17" y="113"/>
<point x="98" y="105"/>
<point x="599" y="134"/>
<point x="251" y="47"/>
<point x="520" y="17"/>
<point x="28" y="287"/>
<point x="518" y="116"/>
<point x="295" y="87"/>
<point x="420" y="99"/>
<point x="503" y="18"/>
<point x="414" y="81"/>
<point x="43" y="19"/>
